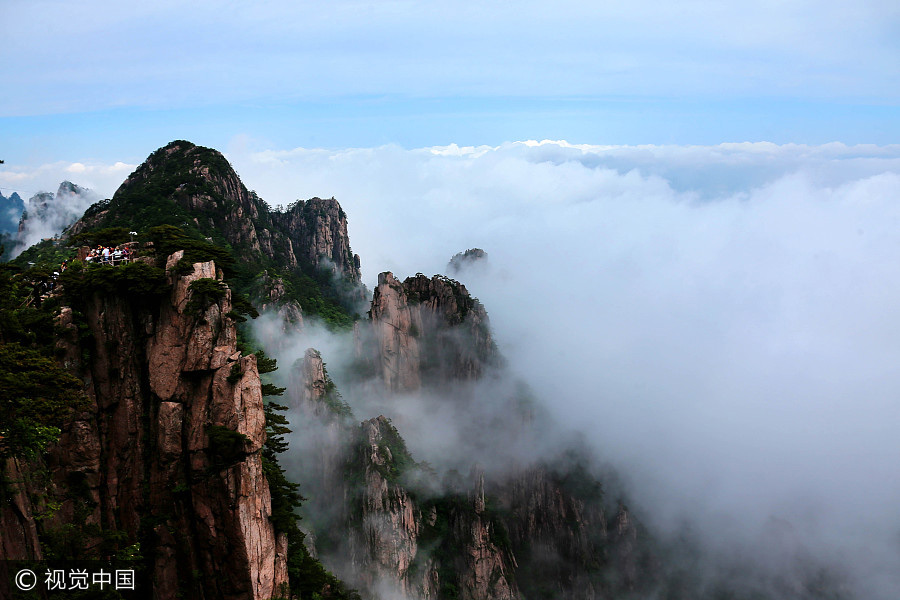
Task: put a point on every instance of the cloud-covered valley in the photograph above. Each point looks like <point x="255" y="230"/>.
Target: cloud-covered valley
<point x="719" y="321"/>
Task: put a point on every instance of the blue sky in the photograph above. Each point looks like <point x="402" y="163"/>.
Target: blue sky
<point x="111" y="81"/>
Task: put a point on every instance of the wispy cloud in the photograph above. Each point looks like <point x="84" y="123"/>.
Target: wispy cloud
<point x="28" y="181"/>
<point x="103" y="54"/>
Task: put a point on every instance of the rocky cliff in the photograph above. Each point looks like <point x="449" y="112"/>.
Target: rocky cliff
<point x="168" y="454"/>
<point x="318" y="230"/>
<point x="164" y="462"/>
<point x="299" y="256"/>
<point x="532" y="528"/>
<point x="208" y="192"/>
<point x="427" y="329"/>
<point x="465" y="260"/>
<point x="419" y="544"/>
<point x="169" y="460"/>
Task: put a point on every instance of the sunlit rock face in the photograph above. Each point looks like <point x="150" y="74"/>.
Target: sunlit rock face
<point x="166" y="386"/>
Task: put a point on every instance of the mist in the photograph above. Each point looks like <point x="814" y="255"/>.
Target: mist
<point x="733" y="353"/>
<point x="49" y="214"/>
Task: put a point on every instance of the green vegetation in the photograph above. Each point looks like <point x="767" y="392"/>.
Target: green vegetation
<point x="47" y="254"/>
<point x="399" y="460"/>
<point x="235" y="374"/>
<point x="446" y="547"/>
<point x="241" y="306"/>
<point x="110" y="236"/>
<point x="154" y="203"/>
<point x="226" y="446"/>
<point x="136" y="281"/>
<point x="36" y="396"/>
<point x="168" y="239"/>
<point x="204" y="293"/>
<point x="333" y="397"/>
<point x="23" y="318"/>
<point x="314" y="290"/>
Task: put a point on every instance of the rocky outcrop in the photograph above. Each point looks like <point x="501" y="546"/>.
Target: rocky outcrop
<point x="272" y="298"/>
<point x="309" y="385"/>
<point x="384" y="540"/>
<point x="46" y="214"/>
<point x="561" y="538"/>
<point x="20" y="537"/>
<point x="325" y="420"/>
<point x="463" y="260"/>
<point x="486" y="568"/>
<point x="411" y="542"/>
<point x="318" y="230"/>
<point x="426" y="330"/>
<point x="10" y="212"/>
<point x="168" y="453"/>
<point x="201" y="182"/>
<point x="396" y="326"/>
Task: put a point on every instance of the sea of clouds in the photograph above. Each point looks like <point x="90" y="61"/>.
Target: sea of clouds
<point x="720" y="321"/>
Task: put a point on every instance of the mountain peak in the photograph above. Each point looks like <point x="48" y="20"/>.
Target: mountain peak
<point x="10" y="212"/>
<point x="197" y="190"/>
<point x="463" y="260"/>
<point x="69" y="188"/>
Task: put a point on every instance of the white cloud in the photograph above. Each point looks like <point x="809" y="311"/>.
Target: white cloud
<point x="102" y="178"/>
<point x="721" y="321"/>
<point x="456" y="150"/>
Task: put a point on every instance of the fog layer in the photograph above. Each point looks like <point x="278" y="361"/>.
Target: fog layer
<point x="720" y="321"/>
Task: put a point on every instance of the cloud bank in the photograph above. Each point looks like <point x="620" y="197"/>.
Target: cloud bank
<point x="719" y="321"/>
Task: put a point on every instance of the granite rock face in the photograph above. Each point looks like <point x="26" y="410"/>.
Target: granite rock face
<point x="426" y="330"/>
<point x="422" y="547"/>
<point x="166" y="386"/>
<point x="317" y="228"/>
<point x="47" y="214"/>
<point x="312" y="232"/>
<point x="10" y="212"/>
<point x="273" y="298"/>
<point x="202" y="184"/>
<point x="527" y="527"/>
